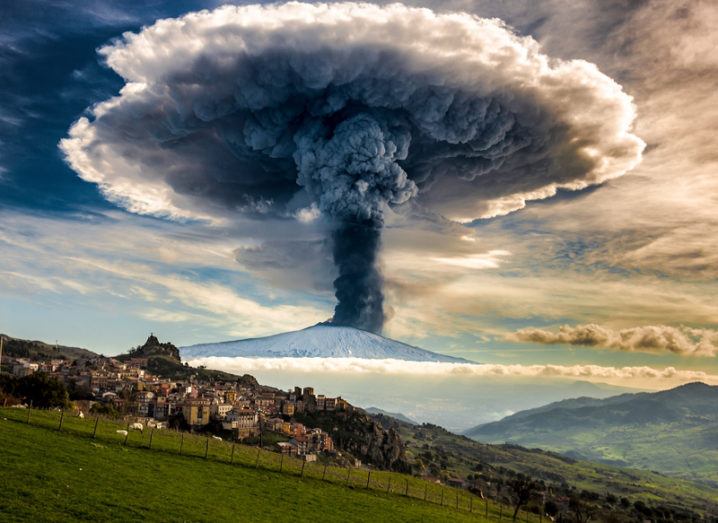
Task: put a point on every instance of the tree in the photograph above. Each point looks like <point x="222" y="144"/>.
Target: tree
<point x="523" y="488"/>
<point x="582" y="512"/>
<point x="550" y="508"/>
<point x="43" y="391"/>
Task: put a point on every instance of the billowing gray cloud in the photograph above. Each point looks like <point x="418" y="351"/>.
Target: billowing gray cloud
<point x="651" y="338"/>
<point x="351" y="110"/>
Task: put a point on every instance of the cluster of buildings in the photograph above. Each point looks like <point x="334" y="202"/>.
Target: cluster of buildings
<point x="244" y="410"/>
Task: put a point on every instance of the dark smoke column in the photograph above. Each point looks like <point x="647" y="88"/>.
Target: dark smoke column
<point x="360" y="300"/>
<point x="351" y="170"/>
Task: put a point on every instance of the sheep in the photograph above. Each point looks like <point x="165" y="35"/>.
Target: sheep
<point x="81" y="415"/>
<point x="122" y="432"/>
<point x="217" y="438"/>
<point x="137" y="426"/>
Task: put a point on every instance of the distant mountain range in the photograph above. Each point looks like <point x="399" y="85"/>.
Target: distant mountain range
<point x="673" y="431"/>
<point x="376" y="411"/>
<point x="319" y="341"/>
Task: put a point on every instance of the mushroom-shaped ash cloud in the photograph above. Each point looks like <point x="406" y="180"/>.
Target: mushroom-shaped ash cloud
<point x="346" y="112"/>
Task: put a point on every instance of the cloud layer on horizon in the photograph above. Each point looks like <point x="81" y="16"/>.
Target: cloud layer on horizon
<point x="640" y="376"/>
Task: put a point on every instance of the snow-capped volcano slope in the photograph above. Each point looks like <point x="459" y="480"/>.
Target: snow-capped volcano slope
<point x="319" y="341"/>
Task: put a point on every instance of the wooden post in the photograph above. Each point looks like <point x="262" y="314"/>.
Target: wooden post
<point x="28" y="414"/>
<point x="442" y="496"/>
<point x="127" y="435"/>
<point x="301" y="475"/>
<point x="206" y="448"/>
<point x="368" y="478"/>
<point x="181" y="442"/>
<point x="388" y="488"/>
<point x="349" y="472"/>
<point x="406" y="487"/>
<point x="281" y="462"/>
<point x="426" y="491"/>
<point x="62" y="416"/>
<point x="152" y="433"/>
<point x="501" y="510"/>
<point x="231" y="458"/>
<point x="324" y="474"/>
<point x="94" y="430"/>
<point x="256" y="463"/>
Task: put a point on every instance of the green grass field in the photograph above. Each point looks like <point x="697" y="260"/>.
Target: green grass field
<point x="58" y="476"/>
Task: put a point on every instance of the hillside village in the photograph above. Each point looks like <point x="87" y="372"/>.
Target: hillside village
<point x="239" y="409"/>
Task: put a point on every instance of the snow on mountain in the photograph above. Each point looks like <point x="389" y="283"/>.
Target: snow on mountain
<point x="319" y="341"/>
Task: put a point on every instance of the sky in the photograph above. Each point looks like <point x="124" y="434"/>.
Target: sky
<point x="620" y="271"/>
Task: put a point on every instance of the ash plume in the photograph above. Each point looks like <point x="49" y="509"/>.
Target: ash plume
<point x="356" y="111"/>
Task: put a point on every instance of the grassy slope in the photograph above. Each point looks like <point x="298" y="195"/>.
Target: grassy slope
<point x="463" y="453"/>
<point x="51" y="476"/>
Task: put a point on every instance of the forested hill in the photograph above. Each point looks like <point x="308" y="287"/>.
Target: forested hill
<point x="673" y="431"/>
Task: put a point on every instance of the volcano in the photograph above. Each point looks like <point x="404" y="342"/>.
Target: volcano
<point x="319" y="341"/>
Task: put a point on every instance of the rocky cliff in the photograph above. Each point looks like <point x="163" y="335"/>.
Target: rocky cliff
<point x="357" y="433"/>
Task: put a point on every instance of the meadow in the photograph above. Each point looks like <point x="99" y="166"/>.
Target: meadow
<point x="55" y="470"/>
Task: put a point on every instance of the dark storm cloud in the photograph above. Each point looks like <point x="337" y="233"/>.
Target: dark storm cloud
<point x="351" y="110"/>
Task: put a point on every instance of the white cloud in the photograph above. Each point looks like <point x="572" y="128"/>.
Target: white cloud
<point x="647" y="377"/>
<point x="157" y="271"/>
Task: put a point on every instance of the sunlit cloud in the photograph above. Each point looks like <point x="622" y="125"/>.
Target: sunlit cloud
<point x="683" y="341"/>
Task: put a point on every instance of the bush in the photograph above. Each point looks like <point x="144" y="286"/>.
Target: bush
<point x="39" y="389"/>
<point x="105" y="409"/>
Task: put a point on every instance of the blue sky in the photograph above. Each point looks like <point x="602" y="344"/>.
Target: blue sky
<point x="635" y="252"/>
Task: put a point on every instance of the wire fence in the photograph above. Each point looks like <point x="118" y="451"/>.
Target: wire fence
<point x="207" y="447"/>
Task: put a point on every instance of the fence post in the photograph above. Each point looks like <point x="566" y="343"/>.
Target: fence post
<point x="302" y="473"/>
<point x="324" y="474"/>
<point x="181" y="442"/>
<point x="471" y="504"/>
<point x="281" y="462"/>
<point x="388" y="488"/>
<point x="486" y="508"/>
<point x="231" y="458"/>
<point x="368" y="478"/>
<point x="62" y="416"/>
<point x="152" y="433"/>
<point x="457" y="500"/>
<point x="349" y="472"/>
<point x="442" y="496"/>
<point x="94" y="430"/>
<point x="501" y="510"/>
<point x="406" y="487"/>
<point x="426" y="490"/>
<point x="127" y="435"/>
<point x="28" y="414"/>
<point x="256" y="463"/>
<point x="206" y="448"/>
